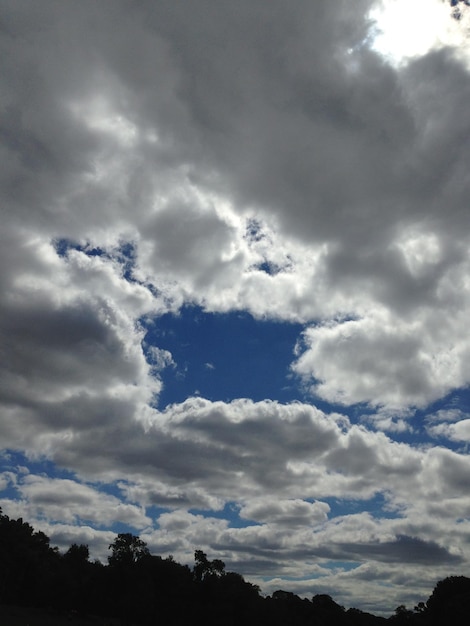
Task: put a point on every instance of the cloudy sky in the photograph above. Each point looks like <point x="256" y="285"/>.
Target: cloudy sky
<point x="234" y="285"/>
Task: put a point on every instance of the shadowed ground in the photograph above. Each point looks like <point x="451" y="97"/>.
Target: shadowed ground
<point x="23" y="616"/>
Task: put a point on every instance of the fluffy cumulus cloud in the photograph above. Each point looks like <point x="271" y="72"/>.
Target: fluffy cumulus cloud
<point x="250" y="157"/>
<point x="66" y="500"/>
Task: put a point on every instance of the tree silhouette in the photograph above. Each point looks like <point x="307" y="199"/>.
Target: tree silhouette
<point x="74" y="584"/>
<point x="77" y="555"/>
<point x="450" y="601"/>
<point x="27" y="563"/>
<point x="204" y="568"/>
<point x="143" y="590"/>
<point x="127" y="549"/>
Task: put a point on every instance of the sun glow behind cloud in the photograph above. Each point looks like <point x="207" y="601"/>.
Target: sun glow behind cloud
<point x="97" y="114"/>
<point x="406" y="29"/>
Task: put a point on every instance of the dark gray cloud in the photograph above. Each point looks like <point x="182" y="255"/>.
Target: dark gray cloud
<point x="403" y="550"/>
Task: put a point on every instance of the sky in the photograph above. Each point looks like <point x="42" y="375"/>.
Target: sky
<point x="234" y="285"/>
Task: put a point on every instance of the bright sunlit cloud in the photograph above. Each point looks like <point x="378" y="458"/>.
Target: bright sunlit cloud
<point x="405" y="29"/>
<point x="98" y="115"/>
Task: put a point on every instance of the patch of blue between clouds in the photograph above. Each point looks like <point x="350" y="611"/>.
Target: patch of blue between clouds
<point x="124" y="254"/>
<point x="230" y="512"/>
<point x="269" y="268"/>
<point x="62" y="247"/>
<point x="377" y="507"/>
<point x="459" y="400"/>
<point x="224" y="356"/>
<point x="14" y="461"/>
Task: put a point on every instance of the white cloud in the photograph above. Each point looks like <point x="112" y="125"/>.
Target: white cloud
<point x="405" y="29"/>
<point x="7" y="479"/>
<point x="454" y="432"/>
<point x="63" y="535"/>
<point x="202" y="454"/>
<point x="160" y="358"/>
<point x="290" y="513"/>
<point x="191" y="200"/>
<point x="450" y="424"/>
<point x="384" y="361"/>
<point x="65" y="500"/>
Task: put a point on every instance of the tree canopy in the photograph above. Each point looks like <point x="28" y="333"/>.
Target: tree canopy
<point x="127" y="549"/>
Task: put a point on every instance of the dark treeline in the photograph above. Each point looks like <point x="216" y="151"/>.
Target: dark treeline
<point x="142" y="589"/>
